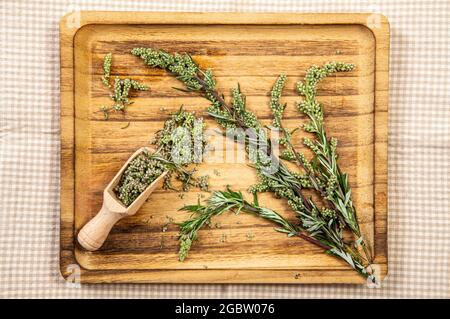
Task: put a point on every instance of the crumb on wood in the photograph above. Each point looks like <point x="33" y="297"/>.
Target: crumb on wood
<point x="170" y="219"/>
<point x="126" y="126"/>
<point x="147" y="221"/>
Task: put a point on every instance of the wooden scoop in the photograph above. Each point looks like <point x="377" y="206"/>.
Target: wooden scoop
<point x="94" y="233"/>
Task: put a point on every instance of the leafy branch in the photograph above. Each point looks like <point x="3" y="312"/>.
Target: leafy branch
<point x="229" y="200"/>
<point x="323" y="169"/>
<point x="324" y="224"/>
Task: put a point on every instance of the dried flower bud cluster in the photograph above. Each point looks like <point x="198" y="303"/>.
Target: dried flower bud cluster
<point x="277" y="108"/>
<point x="107" y="61"/>
<point x="139" y="174"/>
<point x="248" y="119"/>
<point x="181" y="65"/>
<point x="182" y="142"/>
<point x="185" y="246"/>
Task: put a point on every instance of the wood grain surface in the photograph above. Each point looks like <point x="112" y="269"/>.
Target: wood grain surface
<point x="249" y="49"/>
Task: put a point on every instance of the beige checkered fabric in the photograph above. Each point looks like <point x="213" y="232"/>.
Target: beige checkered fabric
<point x="419" y="151"/>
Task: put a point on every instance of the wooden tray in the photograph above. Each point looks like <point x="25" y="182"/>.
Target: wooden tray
<point x="251" y="49"/>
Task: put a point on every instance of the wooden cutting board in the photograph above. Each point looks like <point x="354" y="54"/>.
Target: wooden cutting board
<point x="251" y="49"/>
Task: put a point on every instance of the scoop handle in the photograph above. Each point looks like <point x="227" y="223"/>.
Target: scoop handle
<point x="94" y="233"/>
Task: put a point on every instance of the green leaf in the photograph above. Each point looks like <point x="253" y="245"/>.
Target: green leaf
<point x="255" y="199"/>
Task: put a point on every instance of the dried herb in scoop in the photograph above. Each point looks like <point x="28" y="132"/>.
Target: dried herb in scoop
<point x="139" y="174"/>
<point x="179" y="144"/>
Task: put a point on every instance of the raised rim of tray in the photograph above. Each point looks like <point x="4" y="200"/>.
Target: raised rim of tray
<point x="72" y="22"/>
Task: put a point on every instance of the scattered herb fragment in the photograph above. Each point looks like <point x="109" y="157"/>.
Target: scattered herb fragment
<point x="170" y="219"/>
<point x="120" y="89"/>
<point x="223" y="238"/>
<point x="126" y="126"/>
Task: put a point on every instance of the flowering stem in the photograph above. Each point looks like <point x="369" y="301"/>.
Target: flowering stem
<point x="324" y="225"/>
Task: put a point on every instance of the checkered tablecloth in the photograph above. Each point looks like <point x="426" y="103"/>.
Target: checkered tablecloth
<point x="419" y="151"/>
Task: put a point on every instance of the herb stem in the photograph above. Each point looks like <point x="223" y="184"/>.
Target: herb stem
<point x="256" y="210"/>
<point x="324" y="225"/>
<point x="219" y="99"/>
